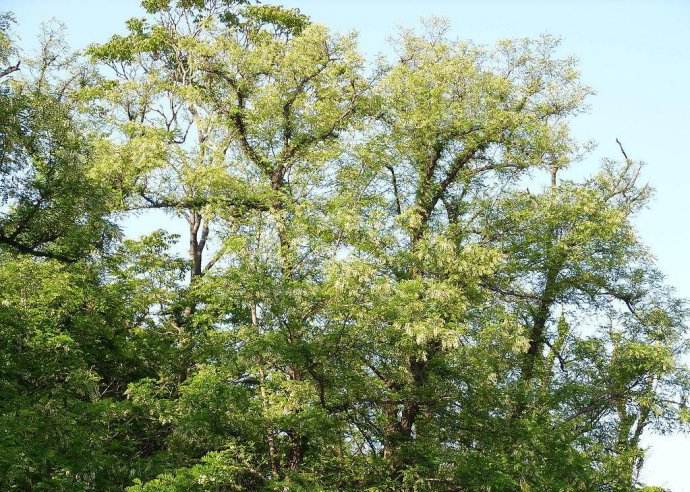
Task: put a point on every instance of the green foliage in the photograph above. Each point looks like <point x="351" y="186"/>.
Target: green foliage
<point x="370" y="298"/>
<point x="50" y="206"/>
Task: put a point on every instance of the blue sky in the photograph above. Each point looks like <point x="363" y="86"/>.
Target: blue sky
<point x="635" y="54"/>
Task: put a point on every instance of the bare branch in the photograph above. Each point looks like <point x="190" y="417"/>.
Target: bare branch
<point x="622" y="150"/>
<point x="8" y="70"/>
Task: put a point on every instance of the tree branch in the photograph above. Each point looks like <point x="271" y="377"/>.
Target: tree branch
<point x="11" y="69"/>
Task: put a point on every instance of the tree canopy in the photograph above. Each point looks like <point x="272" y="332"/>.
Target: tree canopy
<point x="367" y="294"/>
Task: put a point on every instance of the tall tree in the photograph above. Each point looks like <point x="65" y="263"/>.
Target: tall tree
<point x="68" y="340"/>
<point x="368" y="296"/>
<point x="51" y="206"/>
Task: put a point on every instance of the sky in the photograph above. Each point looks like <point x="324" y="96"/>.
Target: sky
<point x="635" y="54"/>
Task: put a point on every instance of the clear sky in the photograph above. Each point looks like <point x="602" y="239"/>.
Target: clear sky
<point x="634" y="53"/>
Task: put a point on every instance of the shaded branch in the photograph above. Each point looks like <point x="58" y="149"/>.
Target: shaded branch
<point x="11" y="69"/>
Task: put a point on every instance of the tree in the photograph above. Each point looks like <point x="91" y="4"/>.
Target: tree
<point x="69" y="343"/>
<point x="50" y="205"/>
<point x="371" y="299"/>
